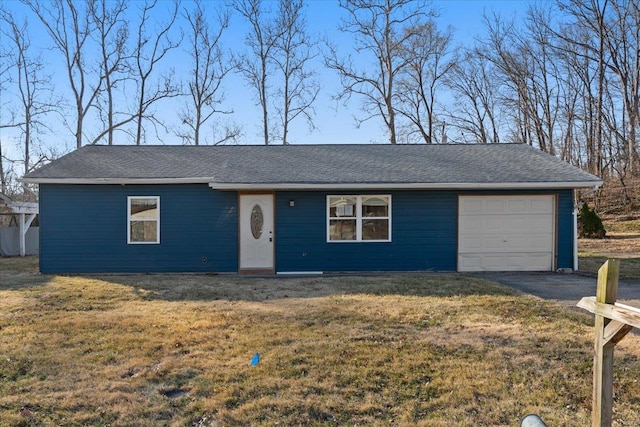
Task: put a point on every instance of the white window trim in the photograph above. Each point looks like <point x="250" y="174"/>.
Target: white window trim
<point x="358" y="218"/>
<point x="157" y="241"/>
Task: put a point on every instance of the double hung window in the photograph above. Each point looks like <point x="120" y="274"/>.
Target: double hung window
<point x="143" y="219"/>
<point x="358" y="218"/>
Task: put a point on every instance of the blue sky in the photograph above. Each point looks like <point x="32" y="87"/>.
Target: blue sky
<point x="334" y="122"/>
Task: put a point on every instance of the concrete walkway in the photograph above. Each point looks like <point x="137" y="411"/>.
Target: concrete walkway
<point x="566" y="289"/>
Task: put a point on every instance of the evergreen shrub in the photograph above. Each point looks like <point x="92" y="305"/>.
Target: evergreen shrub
<point x="589" y="223"/>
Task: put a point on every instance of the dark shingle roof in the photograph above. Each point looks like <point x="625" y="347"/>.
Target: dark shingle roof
<point x="308" y="165"/>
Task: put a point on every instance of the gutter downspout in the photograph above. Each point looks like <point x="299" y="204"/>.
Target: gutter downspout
<point x="575" y="226"/>
<point x="575" y="238"/>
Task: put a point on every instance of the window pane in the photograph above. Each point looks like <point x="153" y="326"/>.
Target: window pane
<point x="342" y="207"/>
<point x="375" y="229"/>
<point x="144" y="231"/>
<point x="144" y="208"/>
<point x="375" y="206"/>
<point x="342" y="229"/>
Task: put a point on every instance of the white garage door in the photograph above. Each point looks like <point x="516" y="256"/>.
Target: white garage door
<point x="506" y="233"/>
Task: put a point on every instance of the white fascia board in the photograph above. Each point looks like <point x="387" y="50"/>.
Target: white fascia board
<point x="120" y="181"/>
<point x="320" y="186"/>
<point x="406" y="186"/>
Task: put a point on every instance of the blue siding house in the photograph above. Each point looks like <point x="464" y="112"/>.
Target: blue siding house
<point x="307" y="209"/>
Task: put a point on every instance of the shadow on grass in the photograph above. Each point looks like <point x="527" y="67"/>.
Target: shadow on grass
<point x="626" y="236"/>
<point x="20" y="274"/>
<point x="23" y="274"/>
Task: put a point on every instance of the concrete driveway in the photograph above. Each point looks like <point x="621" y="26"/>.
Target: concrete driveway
<point x="566" y="289"/>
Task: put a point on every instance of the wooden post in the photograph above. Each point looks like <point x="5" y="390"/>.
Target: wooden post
<point x="613" y="322"/>
<point x="23" y="228"/>
<point x="22" y="232"/>
<point x="606" y="293"/>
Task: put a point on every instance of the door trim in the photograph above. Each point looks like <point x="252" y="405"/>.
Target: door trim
<point x="256" y="271"/>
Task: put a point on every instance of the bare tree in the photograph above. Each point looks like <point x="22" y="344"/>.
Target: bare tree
<point x="152" y="46"/>
<point x="611" y="56"/>
<point x="6" y="65"/>
<point x="381" y="29"/>
<point x="32" y="85"/>
<point x="3" y="176"/>
<point x="209" y="68"/>
<point x="575" y="53"/>
<point x="255" y="66"/>
<point x="427" y="53"/>
<point x="70" y="29"/>
<point x="622" y="45"/>
<point x="526" y="63"/>
<point x="111" y="34"/>
<point x="476" y="111"/>
<point x="292" y="53"/>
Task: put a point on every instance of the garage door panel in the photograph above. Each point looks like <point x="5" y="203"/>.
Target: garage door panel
<point x="472" y="244"/>
<point x="494" y="244"/>
<point x="469" y="263"/>
<point x="539" y="243"/>
<point x="517" y="205"/>
<point x="496" y="207"/>
<point x="541" y="205"/>
<point x="471" y="224"/>
<point x="506" y="233"/>
<point x="504" y="262"/>
<point x="520" y="242"/>
<point x="505" y="224"/>
<point x="471" y="205"/>
<point x="482" y="205"/>
<point x="493" y="223"/>
<point x="510" y="222"/>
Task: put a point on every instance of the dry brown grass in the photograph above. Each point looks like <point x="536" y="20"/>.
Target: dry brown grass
<point x="429" y="350"/>
<point x="622" y="241"/>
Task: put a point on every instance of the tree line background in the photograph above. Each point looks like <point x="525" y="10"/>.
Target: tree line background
<point x="564" y="78"/>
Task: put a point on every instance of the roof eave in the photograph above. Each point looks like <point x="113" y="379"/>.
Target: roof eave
<point x="320" y="185"/>
<point x="406" y="186"/>
<point x="117" y="181"/>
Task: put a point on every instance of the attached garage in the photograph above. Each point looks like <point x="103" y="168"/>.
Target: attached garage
<point x="506" y="233"/>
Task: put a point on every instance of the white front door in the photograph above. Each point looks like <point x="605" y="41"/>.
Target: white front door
<point x="256" y="232"/>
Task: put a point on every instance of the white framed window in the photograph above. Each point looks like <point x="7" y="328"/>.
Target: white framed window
<point x="143" y="219"/>
<point x="359" y="218"/>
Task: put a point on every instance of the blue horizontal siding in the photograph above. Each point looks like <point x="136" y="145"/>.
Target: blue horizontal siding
<point x="423" y="234"/>
<point x="83" y="229"/>
<point x="564" y="239"/>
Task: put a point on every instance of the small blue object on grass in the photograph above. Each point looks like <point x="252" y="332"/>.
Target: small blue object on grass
<point x="255" y="360"/>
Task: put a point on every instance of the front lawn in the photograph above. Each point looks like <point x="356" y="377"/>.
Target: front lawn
<point x="432" y="350"/>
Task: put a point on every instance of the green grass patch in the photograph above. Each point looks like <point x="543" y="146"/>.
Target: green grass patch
<point x="628" y="226"/>
<point x="591" y="263"/>
<point x="425" y="350"/>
